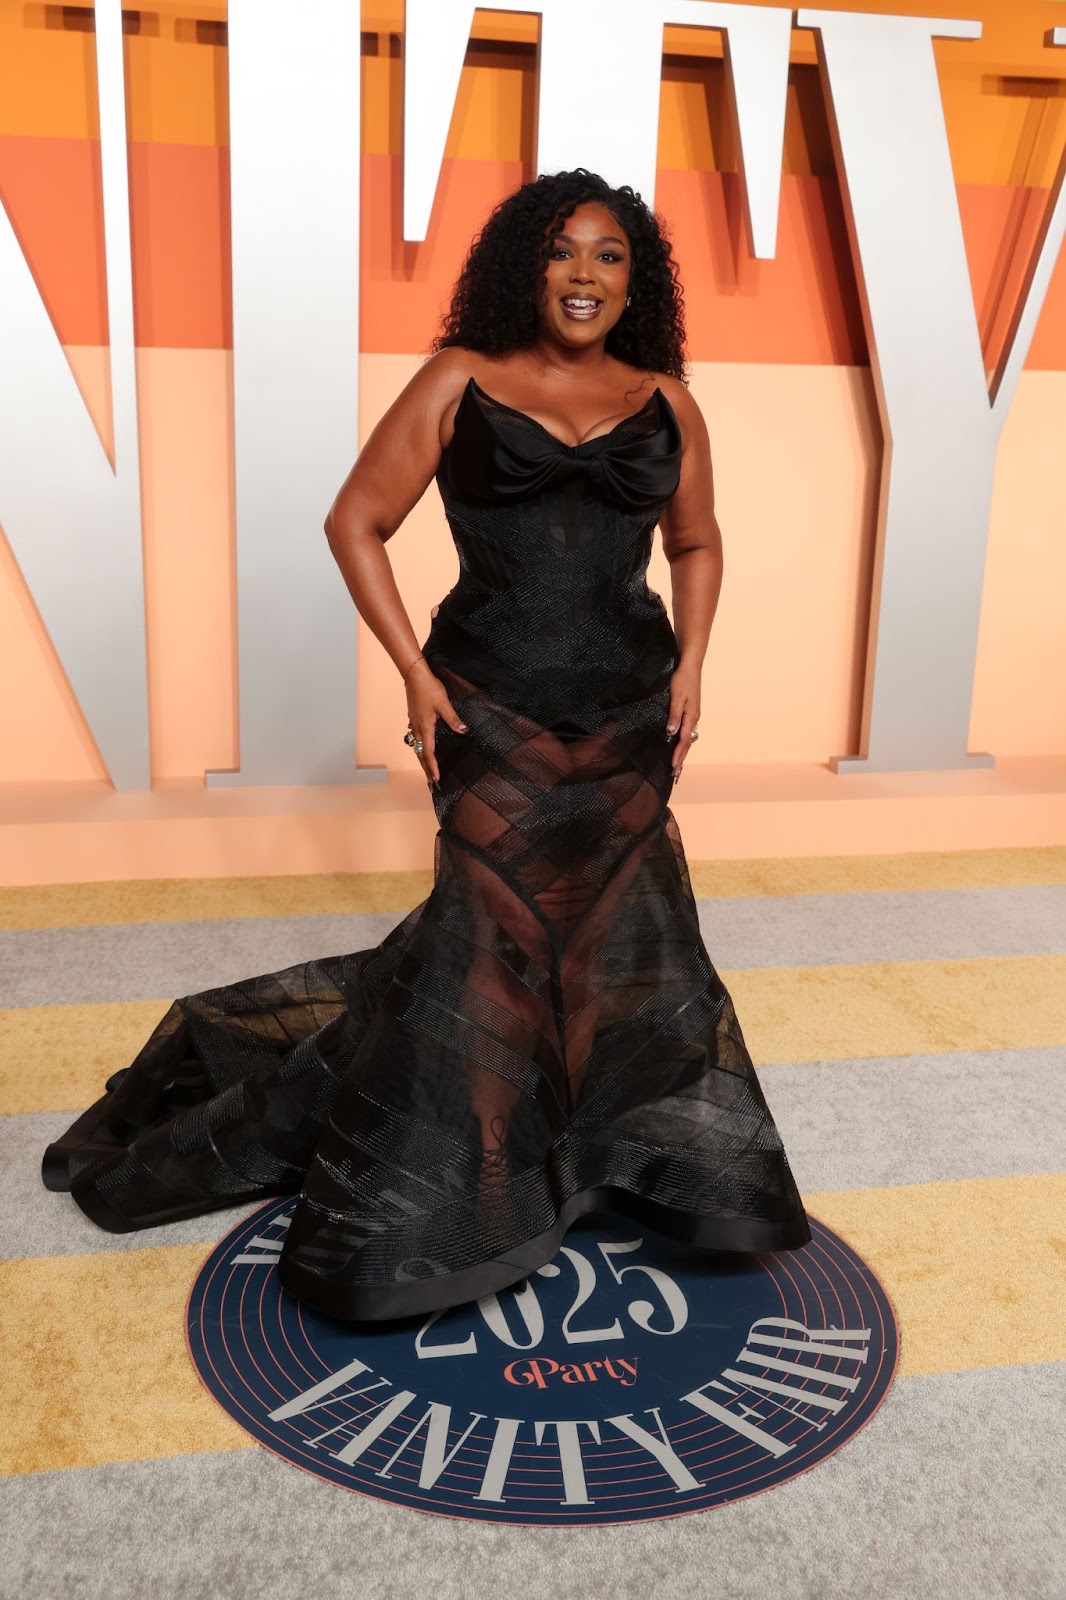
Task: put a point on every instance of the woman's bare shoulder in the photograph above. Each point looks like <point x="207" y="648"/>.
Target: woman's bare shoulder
<point x="684" y="405"/>
<point x="444" y="374"/>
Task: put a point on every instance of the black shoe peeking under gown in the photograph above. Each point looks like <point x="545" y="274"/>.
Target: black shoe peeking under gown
<point x="544" y="1034"/>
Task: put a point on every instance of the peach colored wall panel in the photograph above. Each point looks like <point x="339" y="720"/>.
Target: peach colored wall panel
<point x="1019" y="705"/>
<point x="43" y="735"/>
<point x="796" y="452"/>
<point x="185" y="437"/>
<point x="794" y="497"/>
<point x="187" y="452"/>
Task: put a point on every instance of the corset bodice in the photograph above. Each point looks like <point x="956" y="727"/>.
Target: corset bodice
<point x="554" y="542"/>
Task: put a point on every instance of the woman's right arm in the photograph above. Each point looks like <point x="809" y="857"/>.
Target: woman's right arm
<point x="392" y="472"/>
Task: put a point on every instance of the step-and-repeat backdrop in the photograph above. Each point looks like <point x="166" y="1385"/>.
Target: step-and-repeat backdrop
<point x="225" y="243"/>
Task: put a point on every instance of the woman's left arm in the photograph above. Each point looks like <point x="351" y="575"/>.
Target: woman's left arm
<point x="692" y="543"/>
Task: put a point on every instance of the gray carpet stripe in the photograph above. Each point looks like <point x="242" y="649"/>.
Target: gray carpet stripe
<point x="846" y="1125"/>
<point x="889" y="1120"/>
<point x="36" y="1222"/>
<point x="157" y="960"/>
<point x="55" y="966"/>
<point x="953" y="1490"/>
<point x="905" y="925"/>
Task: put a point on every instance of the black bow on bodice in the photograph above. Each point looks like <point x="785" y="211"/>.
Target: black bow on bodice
<point x="498" y="453"/>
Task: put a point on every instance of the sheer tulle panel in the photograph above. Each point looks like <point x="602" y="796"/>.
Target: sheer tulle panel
<point x="557" y="1027"/>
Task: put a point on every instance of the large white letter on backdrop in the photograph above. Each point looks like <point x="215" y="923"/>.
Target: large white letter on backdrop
<point x="294" y="165"/>
<point x="294" y="96"/>
<point x="574" y="128"/>
<point x="75" y="523"/>
<point x="941" y="424"/>
<point x="73" y="520"/>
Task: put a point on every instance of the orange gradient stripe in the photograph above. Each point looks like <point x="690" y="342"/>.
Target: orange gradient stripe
<point x="800" y="309"/>
<point x="1005" y="116"/>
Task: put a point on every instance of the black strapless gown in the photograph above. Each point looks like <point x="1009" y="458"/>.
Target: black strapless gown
<point x="544" y="1034"/>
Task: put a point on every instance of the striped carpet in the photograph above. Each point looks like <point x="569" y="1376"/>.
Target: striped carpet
<point x="908" y="1018"/>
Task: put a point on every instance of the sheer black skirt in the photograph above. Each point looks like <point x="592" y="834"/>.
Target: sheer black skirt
<point x="544" y="1034"/>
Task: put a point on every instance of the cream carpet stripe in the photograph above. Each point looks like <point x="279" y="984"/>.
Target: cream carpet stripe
<point x="196" y="899"/>
<point x="140" y="960"/>
<point x="96" y="1369"/>
<point x="56" y="1058"/>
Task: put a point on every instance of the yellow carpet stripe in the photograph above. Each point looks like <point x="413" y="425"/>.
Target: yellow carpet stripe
<point x="96" y="1368"/>
<point x="975" y="1267"/>
<point x="100" y="1341"/>
<point x="79" y="905"/>
<point x="194" y="899"/>
<point x="899" y="1008"/>
<point x="56" y="1058"/>
<point x="945" y="869"/>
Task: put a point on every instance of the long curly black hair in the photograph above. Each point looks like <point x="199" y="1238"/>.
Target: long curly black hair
<point x="494" y="307"/>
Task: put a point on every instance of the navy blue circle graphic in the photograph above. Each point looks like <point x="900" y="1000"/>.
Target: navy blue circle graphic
<point x="630" y="1378"/>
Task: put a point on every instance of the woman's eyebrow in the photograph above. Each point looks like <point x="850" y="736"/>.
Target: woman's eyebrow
<point x="604" y="238"/>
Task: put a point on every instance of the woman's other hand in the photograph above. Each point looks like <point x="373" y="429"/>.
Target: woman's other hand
<point x="684" y="712"/>
<point x="427" y="699"/>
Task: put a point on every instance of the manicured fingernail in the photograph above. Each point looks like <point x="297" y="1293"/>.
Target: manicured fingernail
<point x="462" y="727"/>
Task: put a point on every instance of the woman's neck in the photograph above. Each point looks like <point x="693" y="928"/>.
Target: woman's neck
<point x="564" y="362"/>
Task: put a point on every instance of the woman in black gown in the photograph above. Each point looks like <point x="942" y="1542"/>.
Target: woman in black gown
<point x="545" y="1033"/>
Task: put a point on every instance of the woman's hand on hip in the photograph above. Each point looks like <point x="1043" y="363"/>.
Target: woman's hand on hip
<point x="684" y="712"/>
<point x="427" y="699"/>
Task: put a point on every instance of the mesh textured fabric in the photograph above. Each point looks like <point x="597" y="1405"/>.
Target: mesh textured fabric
<point x="545" y="1032"/>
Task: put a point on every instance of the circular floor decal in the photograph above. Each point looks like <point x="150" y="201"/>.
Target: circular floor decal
<point x="631" y="1378"/>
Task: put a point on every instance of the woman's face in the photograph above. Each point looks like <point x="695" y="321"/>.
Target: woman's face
<point x="587" y="277"/>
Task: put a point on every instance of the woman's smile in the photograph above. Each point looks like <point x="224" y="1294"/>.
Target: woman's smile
<point x="582" y="307"/>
